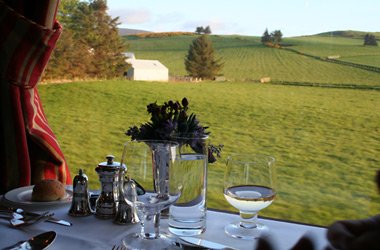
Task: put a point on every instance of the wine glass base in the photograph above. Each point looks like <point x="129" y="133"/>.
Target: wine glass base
<point x="186" y="232"/>
<point x="136" y="241"/>
<point x="237" y="231"/>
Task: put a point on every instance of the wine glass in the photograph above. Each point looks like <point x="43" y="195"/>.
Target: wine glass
<point x="140" y="158"/>
<point x="249" y="186"/>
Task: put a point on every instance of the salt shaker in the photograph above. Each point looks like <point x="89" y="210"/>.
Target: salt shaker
<point x="126" y="212"/>
<point x="80" y="205"/>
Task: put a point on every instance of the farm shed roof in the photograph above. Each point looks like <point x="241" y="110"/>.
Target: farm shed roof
<point x="146" y="64"/>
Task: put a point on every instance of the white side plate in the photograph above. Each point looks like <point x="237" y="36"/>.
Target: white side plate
<point x="23" y="196"/>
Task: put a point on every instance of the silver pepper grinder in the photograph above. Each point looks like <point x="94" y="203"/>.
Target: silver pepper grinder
<point x="126" y="212"/>
<point x="109" y="174"/>
<point x="80" y="205"/>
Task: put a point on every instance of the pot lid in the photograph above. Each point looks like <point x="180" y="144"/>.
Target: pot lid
<point x="110" y="163"/>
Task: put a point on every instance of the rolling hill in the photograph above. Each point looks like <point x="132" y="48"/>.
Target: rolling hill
<point x="126" y="32"/>
<point x="348" y="33"/>
<point x="246" y="59"/>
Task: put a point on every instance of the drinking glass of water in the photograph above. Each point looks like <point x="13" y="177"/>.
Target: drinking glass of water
<point x="187" y="216"/>
<point x="249" y="186"/>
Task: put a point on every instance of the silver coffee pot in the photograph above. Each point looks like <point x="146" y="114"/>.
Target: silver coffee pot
<point x="109" y="173"/>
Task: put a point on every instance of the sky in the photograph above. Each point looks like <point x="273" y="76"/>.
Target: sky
<point x="248" y="17"/>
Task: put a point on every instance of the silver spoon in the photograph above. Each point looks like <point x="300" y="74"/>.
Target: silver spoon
<point x="41" y="241"/>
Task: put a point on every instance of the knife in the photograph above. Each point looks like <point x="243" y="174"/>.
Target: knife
<point x="39" y="242"/>
<point x="205" y="243"/>
<point x="60" y="222"/>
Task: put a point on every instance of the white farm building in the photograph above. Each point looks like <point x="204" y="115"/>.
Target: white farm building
<point x="147" y="70"/>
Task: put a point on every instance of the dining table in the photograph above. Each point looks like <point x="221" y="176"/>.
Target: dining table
<point x="91" y="232"/>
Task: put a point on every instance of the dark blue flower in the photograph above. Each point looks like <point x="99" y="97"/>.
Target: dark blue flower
<point x="169" y="119"/>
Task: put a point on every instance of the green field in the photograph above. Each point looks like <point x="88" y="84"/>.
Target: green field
<point x="348" y="49"/>
<point x="326" y="140"/>
<point x="246" y="59"/>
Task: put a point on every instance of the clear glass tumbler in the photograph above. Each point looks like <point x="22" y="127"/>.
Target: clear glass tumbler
<point x="187" y="217"/>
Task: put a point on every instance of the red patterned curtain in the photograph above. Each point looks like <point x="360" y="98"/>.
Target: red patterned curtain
<point x="29" y="150"/>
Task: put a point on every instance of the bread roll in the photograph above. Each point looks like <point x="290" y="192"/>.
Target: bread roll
<point x="48" y="190"/>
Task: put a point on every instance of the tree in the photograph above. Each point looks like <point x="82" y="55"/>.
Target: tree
<point x="266" y="37"/>
<point x="276" y="36"/>
<point x="200" y="61"/>
<point x="370" y="40"/>
<point x="272" y="39"/>
<point x="207" y="30"/>
<point x="90" y="45"/>
<point x="199" y="30"/>
<point x="69" y="59"/>
<point x="104" y="40"/>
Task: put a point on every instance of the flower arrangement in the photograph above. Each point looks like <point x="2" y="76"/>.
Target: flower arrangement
<point x="170" y="121"/>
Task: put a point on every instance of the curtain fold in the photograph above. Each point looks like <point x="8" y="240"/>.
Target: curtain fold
<point x="29" y="150"/>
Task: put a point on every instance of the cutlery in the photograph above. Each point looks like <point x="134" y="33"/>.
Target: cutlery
<point x="60" y="222"/>
<point x="205" y="243"/>
<point x="50" y="219"/>
<point x="22" y="213"/>
<point x="118" y="247"/>
<point x="29" y="221"/>
<point x="9" y="215"/>
<point x="39" y="242"/>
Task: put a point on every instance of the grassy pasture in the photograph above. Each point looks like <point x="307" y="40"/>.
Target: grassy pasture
<point x="246" y="59"/>
<point x="349" y="49"/>
<point x="326" y="141"/>
<point x="369" y="59"/>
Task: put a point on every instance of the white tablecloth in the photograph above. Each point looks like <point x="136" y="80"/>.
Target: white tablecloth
<point x="93" y="233"/>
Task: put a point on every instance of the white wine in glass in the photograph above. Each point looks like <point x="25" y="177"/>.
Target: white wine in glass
<point x="249" y="186"/>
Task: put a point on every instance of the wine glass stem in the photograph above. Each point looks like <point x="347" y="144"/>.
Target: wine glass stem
<point x="150" y="226"/>
<point x="248" y="220"/>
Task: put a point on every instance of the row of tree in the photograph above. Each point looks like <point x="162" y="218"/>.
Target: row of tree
<point x="275" y="37"/>
<point x="200" y="30"/>
<point x="90" y="46"/>
<point x="370" y="39"/>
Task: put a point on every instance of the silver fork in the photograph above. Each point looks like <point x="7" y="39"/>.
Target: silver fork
<point x="119" y="247"/>
<point x="18" y="213"/>
<point x="10" y="215"/>
<point x="26" y="222"/>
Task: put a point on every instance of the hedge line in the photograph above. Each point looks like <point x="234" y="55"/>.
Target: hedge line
<point x="328" y="85"/>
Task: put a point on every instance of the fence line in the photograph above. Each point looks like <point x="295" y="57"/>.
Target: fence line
<point x="184" y="79"/>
